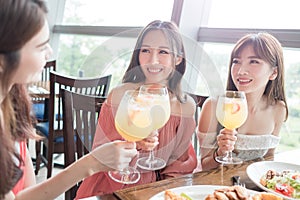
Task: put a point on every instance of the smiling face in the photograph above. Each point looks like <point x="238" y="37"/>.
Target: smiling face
<point x="34" y="55"/>
<point x="156" y="58"/>
<point x="250" y="73"/>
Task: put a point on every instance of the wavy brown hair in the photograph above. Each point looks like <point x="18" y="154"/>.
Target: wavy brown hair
<point x="134" y="73"/>
<point x="20" y="21"/>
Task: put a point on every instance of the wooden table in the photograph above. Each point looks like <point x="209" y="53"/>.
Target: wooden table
<point x="212" y="177"/>
<point x="39" y="90"/>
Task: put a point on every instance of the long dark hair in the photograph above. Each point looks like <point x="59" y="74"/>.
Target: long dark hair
<point x="20" y="21"/>
<point x="10" y="173"/>
<point x="134" y="72"/>
<point x="269" y="49"/>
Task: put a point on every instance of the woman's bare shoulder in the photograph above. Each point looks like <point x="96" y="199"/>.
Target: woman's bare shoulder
<point x="280" y="110"/>
<point x="209" y="105"/>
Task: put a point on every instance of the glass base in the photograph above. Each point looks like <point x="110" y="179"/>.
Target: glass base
<point x="128" y="175"/>
<point x="155" y="164"/>
<point x="229" y="160"/>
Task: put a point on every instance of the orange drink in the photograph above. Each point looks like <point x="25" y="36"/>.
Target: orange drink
<point x="231" y="112"/>
<point x="133" y="118"/>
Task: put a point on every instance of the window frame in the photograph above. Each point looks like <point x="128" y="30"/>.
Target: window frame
<point x="287" y="37"/>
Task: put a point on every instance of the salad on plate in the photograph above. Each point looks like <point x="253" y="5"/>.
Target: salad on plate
<point x="285" y="182"/>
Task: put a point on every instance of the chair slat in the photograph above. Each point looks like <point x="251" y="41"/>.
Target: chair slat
<point x="58" y="82"/>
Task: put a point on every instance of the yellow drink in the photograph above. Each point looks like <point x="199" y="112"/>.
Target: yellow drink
<point x="157" y="96"/>
<point x="126" y="135"/>
<point x="231" y="112"/>
<point x="133" y="119"/>
<point x="140" y="114"/>
<point x="160" y="110"/>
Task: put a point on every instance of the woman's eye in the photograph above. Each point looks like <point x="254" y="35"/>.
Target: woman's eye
<point x="145" y="51"/>
<point x="163" y="52"/>
<point x="234" y="61"/>
<point x="254" y="62"/>
<point x="44" y="47"/>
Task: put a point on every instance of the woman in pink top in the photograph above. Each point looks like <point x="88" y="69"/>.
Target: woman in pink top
<point x="21" y="147"/>
<point x="158" y="57"/>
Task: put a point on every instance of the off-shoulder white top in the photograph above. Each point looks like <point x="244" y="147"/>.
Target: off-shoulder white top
<point x="247" y="147"/>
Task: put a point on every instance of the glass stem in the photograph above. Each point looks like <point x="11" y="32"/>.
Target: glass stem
<point x="150" y="159"/>
<point x="151" y="156"/>
<point x="229" y="155"/>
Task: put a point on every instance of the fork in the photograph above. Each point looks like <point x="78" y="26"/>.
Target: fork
<point x="236" y="181"/>
<point x="242" y="184"/>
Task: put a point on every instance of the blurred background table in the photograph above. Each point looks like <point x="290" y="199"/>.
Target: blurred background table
<point x="39" y="90"/>
<point x="40" y="93"/>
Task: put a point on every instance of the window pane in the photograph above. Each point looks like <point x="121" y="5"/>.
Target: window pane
<point x="92" y="56"/>
<point x="116" y="12"/>
<point x="290" y="132"/>
<point x="281" y="14"/>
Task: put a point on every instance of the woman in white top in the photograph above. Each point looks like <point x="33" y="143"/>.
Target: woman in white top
<point x="256" y="67"/>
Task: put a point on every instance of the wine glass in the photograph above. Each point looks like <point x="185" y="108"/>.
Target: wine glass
<point x="231" y="112"/>
<point x="132" y="122"/>
<point x="157" y="95"/>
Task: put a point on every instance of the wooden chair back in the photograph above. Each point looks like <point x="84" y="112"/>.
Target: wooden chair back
<point x="50" y="66"/>
<point x="40" y="103"/>
<point x="80" y="120"/>
<point x="53" y="131"/>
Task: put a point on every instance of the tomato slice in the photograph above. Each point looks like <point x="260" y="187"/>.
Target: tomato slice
<point x="235" y="108"/>
<point x="296" y="177"/>
<point x="284" y="189"/>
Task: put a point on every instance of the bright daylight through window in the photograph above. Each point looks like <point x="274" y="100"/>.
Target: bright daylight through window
<point x="84" y="53"/>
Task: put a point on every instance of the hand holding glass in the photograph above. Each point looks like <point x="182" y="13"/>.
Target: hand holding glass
<point x="231" y="112"/>
<point x="132" y="122"/>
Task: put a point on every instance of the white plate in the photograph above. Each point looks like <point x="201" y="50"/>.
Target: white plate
<point x="90" y="198"/>
<point x="256" y="170"/>
<point x="194" y="191"/>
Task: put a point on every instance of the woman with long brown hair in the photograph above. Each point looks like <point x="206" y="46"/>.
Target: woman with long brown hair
<point x="158" y="58"/>
<point x="24" y="50"/>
